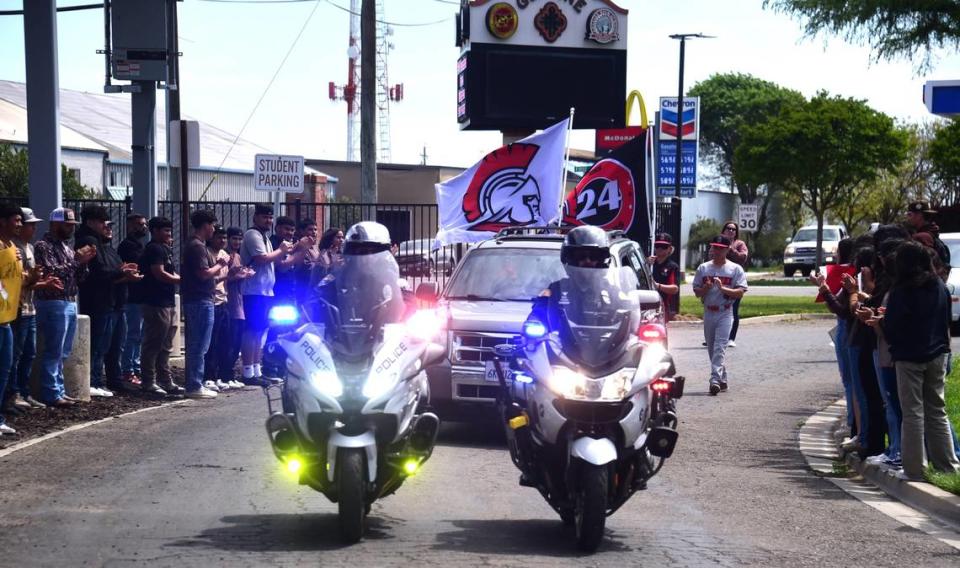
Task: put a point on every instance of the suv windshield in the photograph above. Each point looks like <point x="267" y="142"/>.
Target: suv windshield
<point x="506" y="274"/>
<point x="811" y="235"/>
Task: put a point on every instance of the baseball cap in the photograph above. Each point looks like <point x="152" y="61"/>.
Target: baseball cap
<point x="63" y="215"/>
<point x="720" y="241"/>
<point x="663" y="239"/>
<point x="920" y="207"/>
<point x="28" y="217"/>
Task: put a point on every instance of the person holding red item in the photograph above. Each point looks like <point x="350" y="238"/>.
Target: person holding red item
<point x="666" y="275"/>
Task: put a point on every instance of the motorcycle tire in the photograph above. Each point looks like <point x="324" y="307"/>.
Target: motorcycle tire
<point x="591" y="507"/>
<point x="351" y="504"/>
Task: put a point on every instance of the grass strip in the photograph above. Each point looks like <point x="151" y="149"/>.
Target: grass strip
<point x="755" y="306"/>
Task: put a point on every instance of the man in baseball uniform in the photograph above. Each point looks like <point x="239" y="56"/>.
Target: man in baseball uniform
<point x="718" y="283"/>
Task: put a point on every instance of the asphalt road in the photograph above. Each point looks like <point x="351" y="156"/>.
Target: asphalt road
<point x="196" y="484"/>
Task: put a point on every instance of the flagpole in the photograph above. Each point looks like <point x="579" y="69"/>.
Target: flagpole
<point x="652" y="187"/>
<point x="566" y="159"/>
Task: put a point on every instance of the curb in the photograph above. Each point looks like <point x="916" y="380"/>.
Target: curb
<point x="761" y="319"/>
<point x="818" y="444"/>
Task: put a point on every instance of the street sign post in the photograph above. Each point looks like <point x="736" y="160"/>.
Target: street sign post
<point x="686" y="127"/>
<point x="747" y="217"/>
<point x="273" y="172"/>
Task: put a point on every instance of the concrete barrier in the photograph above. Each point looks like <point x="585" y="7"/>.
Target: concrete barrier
<point x="76" y="369"/>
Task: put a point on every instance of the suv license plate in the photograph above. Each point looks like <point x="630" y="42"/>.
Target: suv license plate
<point x="490" y="372"/>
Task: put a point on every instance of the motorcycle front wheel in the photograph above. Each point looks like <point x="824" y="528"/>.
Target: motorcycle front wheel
<point x="591" y="507"/>
<point x="352" y="506"/>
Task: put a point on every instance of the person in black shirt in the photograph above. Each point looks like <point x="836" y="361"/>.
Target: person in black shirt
<point x="284" y="288"/>
<point x="197" y="287"/>
<point x="130" y="250"/>
<point x="103" y="295"/>
<point x="666" y="274"/>
<point x="158" y="289"/>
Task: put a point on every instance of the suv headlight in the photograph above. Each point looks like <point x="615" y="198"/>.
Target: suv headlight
<point x="790" y="249"/>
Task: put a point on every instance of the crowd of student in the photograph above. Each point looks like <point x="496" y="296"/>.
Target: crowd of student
<point x="892" y="342"/>
<point x="228" y="279"/>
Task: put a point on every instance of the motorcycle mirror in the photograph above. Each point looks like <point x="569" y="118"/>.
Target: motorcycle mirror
<point x="505" y="350"/>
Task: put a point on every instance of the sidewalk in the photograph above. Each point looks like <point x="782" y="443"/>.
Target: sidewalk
<point x="819" y="441"/>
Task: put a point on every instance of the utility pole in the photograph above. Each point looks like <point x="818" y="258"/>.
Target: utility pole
<point x="678" y="166"/>
<point x="368" y="108"/>
<point x="423" y="157"/>
<point x="178" y="177"/>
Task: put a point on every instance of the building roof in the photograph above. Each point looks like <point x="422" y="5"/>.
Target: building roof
<point x="105" y="120"/>
<point x="13" y="128"/>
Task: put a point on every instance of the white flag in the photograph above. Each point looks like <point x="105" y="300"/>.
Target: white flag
<point x="516" y="185"/>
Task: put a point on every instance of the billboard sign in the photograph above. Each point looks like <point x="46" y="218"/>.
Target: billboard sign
<point x="609" y="139"/>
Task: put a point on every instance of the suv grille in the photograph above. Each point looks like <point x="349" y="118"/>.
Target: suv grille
<point x="473" y="349"/>
<point x="807" y="250"/>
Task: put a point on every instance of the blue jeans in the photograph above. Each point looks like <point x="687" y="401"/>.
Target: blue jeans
<point x="130" y="362"/>
<point x="887" y="379"/>
<point x="198" y="321"/>
<point x="103" y="327"/>
<point x="57" y="322"/>
<point x="6" y="357"/>
<point x="859" y="394"/>
<point x="24" y="352"/>
<point x="843" y="360"/>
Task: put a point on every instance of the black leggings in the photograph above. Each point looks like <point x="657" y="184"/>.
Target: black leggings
<point x="736" y="319"/>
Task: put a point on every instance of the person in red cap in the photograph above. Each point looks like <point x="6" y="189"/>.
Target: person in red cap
<point x="718" y="283"/>
<point x="666" y="274"/>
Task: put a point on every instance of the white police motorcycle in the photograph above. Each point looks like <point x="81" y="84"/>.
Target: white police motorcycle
<point x="347" y="419"/>
<point x="588" y="398"/>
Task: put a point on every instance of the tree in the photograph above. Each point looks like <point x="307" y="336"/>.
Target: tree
<point x="892" y="28"/>
<point x="730" y="102"/>
<point x="14" y="176"/>
<point x="820" y="151"/>
<point x="945" y="162"/>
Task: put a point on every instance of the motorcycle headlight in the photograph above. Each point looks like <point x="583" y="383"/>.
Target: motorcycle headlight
<point x="380" y="384"/>
<point x="327" y="382"/>
<point x="573" y="385"/>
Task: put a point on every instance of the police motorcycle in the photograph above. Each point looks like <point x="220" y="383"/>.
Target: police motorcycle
<point x="587" y="396"/>
<point x="348" y="418"/>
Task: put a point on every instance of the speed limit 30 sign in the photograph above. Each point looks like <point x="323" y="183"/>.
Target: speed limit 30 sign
<point x="748" y="217"/>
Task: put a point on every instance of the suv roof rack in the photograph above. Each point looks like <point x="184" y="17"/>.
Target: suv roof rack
<point x="550" y="230"/>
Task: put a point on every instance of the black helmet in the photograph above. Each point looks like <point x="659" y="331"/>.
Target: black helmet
<point x="366" y="237"/>
<point x="586" y="244"/>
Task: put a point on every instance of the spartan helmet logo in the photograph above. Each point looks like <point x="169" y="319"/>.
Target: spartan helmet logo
<point x="501" y="192"/>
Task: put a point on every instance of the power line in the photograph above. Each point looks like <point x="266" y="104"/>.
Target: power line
<point x="262" y="96"/>
<point x="61" y="9"/>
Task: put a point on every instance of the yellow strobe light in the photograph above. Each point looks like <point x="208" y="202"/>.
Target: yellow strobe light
<point x="411" y="466"/>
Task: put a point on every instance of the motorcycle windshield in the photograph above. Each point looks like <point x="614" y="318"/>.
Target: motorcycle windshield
<point x="595" y="314"/>
<point x="367" y="296"/>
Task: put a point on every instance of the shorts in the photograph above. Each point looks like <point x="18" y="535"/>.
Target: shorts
<point x="256" y="311"/>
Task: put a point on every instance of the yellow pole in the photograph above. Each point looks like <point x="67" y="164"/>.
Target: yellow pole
<point x="636" y="96"/>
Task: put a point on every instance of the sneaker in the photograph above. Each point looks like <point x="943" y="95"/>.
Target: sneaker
<point x="235" y="384"/>
<point x="153" y="390"/>
<point x="211" y="385"/>
<point x="223" y="386"/>
<point x="70" y="398"/>
<point x="852" y="445"/>
<point x="714" y="389"/>
<point x="731" y="343"/>
<point x="255" y="382"/>
<point x="203" y="392"/>
<point x="173" y="389"/>
<point x="62" y="403"/>
<point x="34" y="403"/>
<point x="19" y="402"/>
<point x="902" y="475"/>
<point x="4" y="429"/>
<point x="96" y="391"/>
<point x="877" y="459"/>
<point x="723" y="386"/>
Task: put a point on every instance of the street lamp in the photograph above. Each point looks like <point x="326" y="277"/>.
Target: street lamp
<point x="678" y="165"/>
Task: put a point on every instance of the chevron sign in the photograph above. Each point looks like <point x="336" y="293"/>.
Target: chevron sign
<point x="668" y="118"/>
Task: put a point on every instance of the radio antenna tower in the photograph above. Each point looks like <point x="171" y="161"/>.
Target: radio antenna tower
<point x="350" y="92"/>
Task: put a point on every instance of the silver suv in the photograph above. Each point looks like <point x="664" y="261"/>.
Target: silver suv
<point x="486" y="301"/>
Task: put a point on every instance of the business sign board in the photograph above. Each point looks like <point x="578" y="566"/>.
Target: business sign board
<point x="942" y="98"/>
<point x="272" y="172"/>
<point x="747" y="217"/>
<point x="523" y="64"/>
<point x="678" y="127"/>
<point x="609" y="139"/>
